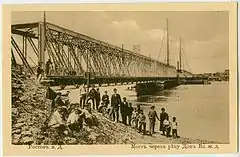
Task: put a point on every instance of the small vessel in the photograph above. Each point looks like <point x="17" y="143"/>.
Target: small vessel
<point x="149" y="88"/>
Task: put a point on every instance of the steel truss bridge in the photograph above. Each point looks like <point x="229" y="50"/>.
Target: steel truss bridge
<point x="74" y="56"/>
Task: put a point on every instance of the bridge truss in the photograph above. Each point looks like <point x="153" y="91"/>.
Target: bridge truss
<point x="74" y="54"/>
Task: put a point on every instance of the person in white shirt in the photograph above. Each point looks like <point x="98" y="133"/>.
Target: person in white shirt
<point x="90" y="119"/>
<point x="56" y="120"/>
<point x="73" y="120"/>
<point x="134" y="117"/>
<point x="83" y="96"/>
<point x="167" y="127"/>
<point x="174" y="128"/>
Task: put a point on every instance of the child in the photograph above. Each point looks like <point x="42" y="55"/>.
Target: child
<point x="134" y="116"/>
<point x="142" y="122"/>
<point x="167" y="127"/>
<point x="174" y="128"/>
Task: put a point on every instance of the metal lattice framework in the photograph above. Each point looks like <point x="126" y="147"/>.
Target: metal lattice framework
<point x="74" y="52"/>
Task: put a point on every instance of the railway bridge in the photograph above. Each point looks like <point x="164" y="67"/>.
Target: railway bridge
<point x="77" y="59"/>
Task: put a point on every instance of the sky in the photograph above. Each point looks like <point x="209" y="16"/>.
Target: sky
<point x="205" y="34"/>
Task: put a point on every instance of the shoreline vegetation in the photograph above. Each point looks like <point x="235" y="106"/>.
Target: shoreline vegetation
<point x="30" y="110"/>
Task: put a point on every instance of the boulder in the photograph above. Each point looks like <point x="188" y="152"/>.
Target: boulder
<point x="27" y="140"/>
<point x="17" y="131"/>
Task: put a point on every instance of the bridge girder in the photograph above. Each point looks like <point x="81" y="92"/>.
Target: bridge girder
<point x="71" y="51"/>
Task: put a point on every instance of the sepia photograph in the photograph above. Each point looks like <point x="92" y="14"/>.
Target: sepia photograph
<point x="109" y="77"/>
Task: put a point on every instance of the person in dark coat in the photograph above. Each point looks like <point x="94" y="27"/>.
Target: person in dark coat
<point x="152" y="115"/>
<point x="115" y="102"/>
<point x="163" y="116"/>
<point x="98" y="98"/>
<point x="105" y="99"/>
<point x="92" y="96"/>
<point x="124" y="110"/>
<point x="83" y="96"/>
<point x="40" y="72"/>
<point x="129" y="113"/>
<point x="57" y="101"/>
<point x="48" y="66"/>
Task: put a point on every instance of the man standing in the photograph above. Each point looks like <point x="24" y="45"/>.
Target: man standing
<point x="83" y="96"/>
<point x="92" y="96"/>
<point x="40" y="72"/>
<point x="98" y="98"/>
<point x="48" y="66"/>
<point x="163" y="116"/>
<point x="129" y="113"/>
<point x="115" y="102"/>
<point x="152" y="115"/>
<point x="124" y="109"/>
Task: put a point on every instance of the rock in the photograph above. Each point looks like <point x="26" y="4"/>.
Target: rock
<point x="71" y="140"/>
<point x="14" y="111"/>
<point x="16" y="136"/>
<point x="17" y="131"/>
<point x="21" y="120"/>
<point x="19" y="125"/>
<point x="93" y="136"/>
<point x="26" y="133"/>
<point x="15" y="141"/>
<point x="27" y="140"/>
<point x="35" y="130"/>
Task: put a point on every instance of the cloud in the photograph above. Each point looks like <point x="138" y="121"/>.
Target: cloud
<point x="155" y="34"/>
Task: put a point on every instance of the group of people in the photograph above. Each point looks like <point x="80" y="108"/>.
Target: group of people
<point x="114" y="107"/>
<point x="68" y="117"/>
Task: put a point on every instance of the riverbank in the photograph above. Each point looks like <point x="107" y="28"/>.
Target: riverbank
<point x="30" y="110"/>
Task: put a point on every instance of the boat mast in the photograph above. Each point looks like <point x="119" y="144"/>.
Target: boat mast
<point x="167" y="43"/>
<point x="180" y="53"/>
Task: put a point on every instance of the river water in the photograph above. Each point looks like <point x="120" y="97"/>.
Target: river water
<point x="202" y="111"/>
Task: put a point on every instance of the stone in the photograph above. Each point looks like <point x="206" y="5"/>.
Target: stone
<point x="21" y="120"/>
<point x="26" y="133"/>
<point x="19" y="125"/>
<point x="70" y="140"/>
<point x="17" y="131"/>
<point x="16" y="136"/>
<point x="27" y="140"/>
<point x="35" y="130"/>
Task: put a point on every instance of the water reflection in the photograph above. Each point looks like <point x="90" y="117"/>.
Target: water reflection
<point x="156" y="97"/>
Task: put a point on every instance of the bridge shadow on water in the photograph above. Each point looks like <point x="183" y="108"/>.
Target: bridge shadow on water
<point x="156" y="97"/>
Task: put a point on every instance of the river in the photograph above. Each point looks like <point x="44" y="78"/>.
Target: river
<point x="202" y="111"/>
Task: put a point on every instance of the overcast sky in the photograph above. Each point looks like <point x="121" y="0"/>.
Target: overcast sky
<point x="205" y="34"/>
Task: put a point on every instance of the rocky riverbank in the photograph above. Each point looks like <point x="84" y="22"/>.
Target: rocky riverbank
<point x="30" y="110"/>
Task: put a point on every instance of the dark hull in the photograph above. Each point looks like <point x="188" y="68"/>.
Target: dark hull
<point x="196" y="82"/>
<point x="151" y="88"/>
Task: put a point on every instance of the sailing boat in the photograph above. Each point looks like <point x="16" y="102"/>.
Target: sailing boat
<point x="153" y="87"/>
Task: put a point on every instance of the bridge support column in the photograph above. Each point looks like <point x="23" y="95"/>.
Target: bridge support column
<point x="41" y="43"/>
